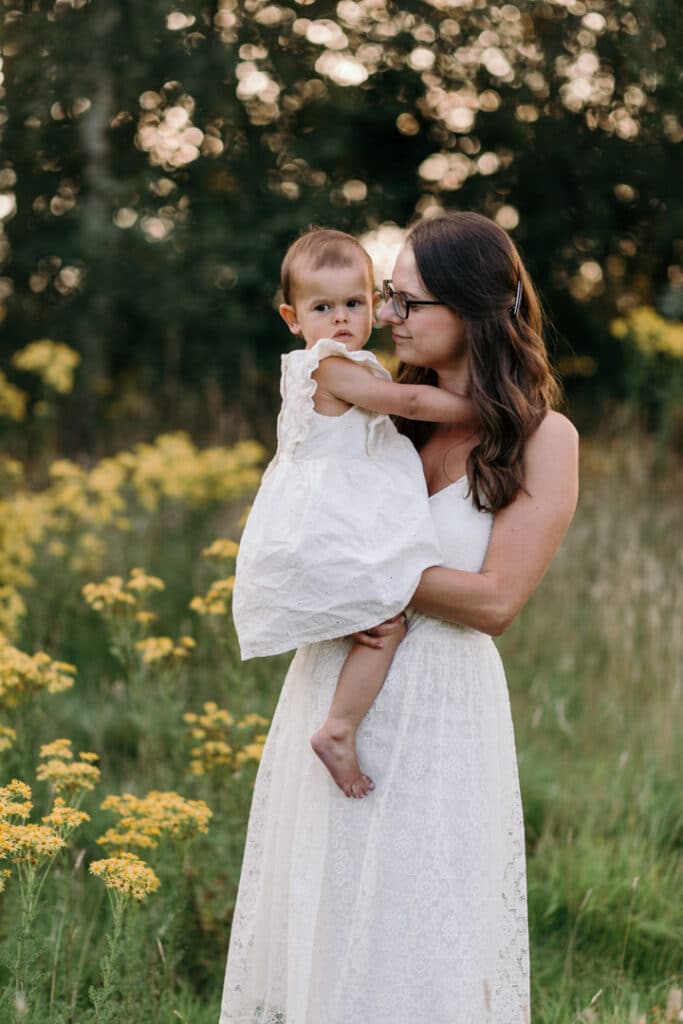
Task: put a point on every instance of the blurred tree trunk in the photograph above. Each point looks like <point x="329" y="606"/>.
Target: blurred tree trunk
<point x="96" y="234"/>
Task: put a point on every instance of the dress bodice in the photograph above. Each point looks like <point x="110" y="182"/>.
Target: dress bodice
<point x="342" y="436"/>
<point x="464" y="531"/>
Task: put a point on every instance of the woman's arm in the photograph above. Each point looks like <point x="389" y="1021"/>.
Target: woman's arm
<point x="524" y="539"/>
<point x="354" y="384"/>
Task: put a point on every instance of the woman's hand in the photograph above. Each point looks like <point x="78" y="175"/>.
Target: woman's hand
<point x="373" y="637"/>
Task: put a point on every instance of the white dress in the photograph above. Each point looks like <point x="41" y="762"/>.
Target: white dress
<point x="409" y="906"/>
<point x="340" y="530"/>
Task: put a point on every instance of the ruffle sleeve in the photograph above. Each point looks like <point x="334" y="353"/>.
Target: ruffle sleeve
<point x="297" y="388"/>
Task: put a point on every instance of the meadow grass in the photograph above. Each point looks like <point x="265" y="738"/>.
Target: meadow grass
<point x="594" y="666"/>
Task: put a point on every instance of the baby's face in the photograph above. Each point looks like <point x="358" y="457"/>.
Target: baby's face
<point x="332" y="302"/>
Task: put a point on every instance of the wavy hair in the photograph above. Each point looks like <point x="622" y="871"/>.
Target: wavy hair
<point x="467" y="262"/>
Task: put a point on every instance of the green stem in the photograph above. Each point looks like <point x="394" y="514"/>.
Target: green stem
<point x="102" y="997"/>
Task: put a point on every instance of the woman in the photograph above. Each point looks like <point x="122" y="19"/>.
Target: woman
<point x="409" y="907"/>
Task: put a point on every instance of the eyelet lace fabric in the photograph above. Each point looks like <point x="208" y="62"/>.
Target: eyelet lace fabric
<point x="409" y="906"/>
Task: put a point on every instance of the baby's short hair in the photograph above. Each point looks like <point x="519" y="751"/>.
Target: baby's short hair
<point x="320" y="247"/>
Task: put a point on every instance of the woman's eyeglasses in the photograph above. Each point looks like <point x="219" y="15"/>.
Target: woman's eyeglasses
<point x="402" y="305"/>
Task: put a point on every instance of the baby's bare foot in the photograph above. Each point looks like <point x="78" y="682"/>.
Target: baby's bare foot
<point x="336" y="748"/>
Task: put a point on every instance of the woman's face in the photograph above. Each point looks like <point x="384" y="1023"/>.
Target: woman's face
<point x="431" y="336"/>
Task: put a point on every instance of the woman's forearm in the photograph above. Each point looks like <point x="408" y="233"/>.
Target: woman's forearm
<point x="468" y="598"/>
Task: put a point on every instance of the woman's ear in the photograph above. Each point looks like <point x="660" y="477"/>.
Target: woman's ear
<point x="288" y="314"/>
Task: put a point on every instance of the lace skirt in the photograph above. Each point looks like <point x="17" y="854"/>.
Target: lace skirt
<point x="406" y="907"/>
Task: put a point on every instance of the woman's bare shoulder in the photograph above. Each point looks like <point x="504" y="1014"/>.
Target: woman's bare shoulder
<point x="555" y="432"/>
<point x="552" y="451"/>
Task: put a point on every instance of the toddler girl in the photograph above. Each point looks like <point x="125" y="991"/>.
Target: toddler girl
<point x="340" y="530"/>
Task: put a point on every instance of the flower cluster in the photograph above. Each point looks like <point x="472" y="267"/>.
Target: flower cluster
<point x="221" y="740"/>
<point x="12" y="400"/>
<point x="116" y="596"/>
<point x="173" y="468"/>
<point x="22" y="675"/>
<point x="52" y="361"/>
<point x="7" y="737"/>
<point x="66" y="775"/>
<point x="162" y="648"/>
<point x="650" y="332"/>
<point x="143" y="821"/>
<point x="221" y="549"/>
<point x="126" y="875"/>
<point x="24" y="843"/>
<point x="15" y="800"/>
<point x="67" y="521"/>
<point x="63" y="818"/>
<point x="217" y="599"/>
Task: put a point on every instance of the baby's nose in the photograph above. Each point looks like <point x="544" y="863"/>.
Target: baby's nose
<point x="340" y="313"/>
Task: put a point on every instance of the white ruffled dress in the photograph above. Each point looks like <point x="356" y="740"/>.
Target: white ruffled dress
<point x="340" y="530"/>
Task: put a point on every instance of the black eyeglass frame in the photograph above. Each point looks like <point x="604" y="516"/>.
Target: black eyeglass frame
<point x="390" y="295"/>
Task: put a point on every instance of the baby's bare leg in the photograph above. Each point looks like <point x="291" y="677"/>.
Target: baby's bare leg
<point x="360" y="680"/>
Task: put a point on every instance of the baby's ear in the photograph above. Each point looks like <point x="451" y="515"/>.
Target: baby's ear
<point x="288" y="314"/>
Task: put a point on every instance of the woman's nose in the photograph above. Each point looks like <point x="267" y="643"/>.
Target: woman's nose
<point x="387" y="314"/>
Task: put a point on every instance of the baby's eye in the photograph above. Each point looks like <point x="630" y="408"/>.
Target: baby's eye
<point x="353" y="303"/>
<point x="322" y="307"/>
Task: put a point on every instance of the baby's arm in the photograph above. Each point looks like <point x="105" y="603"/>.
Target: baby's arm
<point x="357" y="386"/>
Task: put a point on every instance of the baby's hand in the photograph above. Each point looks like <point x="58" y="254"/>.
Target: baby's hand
<point x="373" y="637"/>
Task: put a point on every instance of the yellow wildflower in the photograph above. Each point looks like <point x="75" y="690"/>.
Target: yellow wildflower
<point x="64" y="819"/>
<point x="4" y="874"/>
<point x="53" y="361"/>
<point x="162" y="648"/>
<point x="66" y="777"/>
<point x="252" y="752"/>
<point x="13" y="400"/>
<point x="221" y="549"/>
<point x="216" y="600"/>
<point x="23" y="674"/>
<point x="145" y="618"/>
<point x="141" y="582"/>
<point x="213" y="729"/>
<point x="127" y="875"/>
<point x="7" y="737"/>
<point x="650" y="332"/>
<point x="29" y="843"/>
<point x="12" y="608"/>
<point x="252" y="719"/>
<point x="60" y="749"/>
<point x="119" y="839"/>
<point x="157" y="814"/>
<point x="88" y="755"/>
<point x="108" y="597"/>
<point x="15" y="800"/>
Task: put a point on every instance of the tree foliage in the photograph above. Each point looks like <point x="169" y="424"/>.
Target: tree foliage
<point x="157" y="159"/>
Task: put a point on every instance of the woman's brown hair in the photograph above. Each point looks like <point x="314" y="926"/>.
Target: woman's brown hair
<point x="467" y="262"/>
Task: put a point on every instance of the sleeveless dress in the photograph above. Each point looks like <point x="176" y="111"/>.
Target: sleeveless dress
<point x="340" y="530"/>
<point x="409" y="906"/>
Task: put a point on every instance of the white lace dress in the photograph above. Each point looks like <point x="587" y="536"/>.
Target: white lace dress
<point x="340" y="530"/>
<point x="409" y="906"/>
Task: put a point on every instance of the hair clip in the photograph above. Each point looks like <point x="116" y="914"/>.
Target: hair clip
<point x="514" y="310"/>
